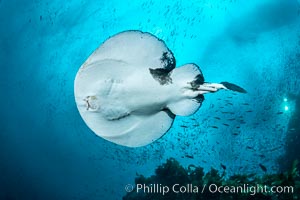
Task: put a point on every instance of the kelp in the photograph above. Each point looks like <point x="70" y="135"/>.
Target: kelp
<point x="171" y="172"/>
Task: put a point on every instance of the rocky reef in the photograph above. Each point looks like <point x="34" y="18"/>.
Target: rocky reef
<point x="175" y="182"/>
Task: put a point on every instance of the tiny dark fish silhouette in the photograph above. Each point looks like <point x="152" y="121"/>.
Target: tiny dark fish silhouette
<point x="223" y="166"/>
<point x="249" y="111"/>
<point x="276" y="148"/>
<point x="218" y="118"/>
<point x="235" y="134"/>
<point x="214" y="127"/>
<point x="263" y="167"/>
<point x="231" y="113"/>
<point x="189" y="156"/>
<point x="245" y="104"/>
<point x="248" y="147"/>
<point x="183" y="126"/>
<point x="226" y="124"/>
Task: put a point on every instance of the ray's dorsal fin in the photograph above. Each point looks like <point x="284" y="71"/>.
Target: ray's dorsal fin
<point x="187" y="78"/>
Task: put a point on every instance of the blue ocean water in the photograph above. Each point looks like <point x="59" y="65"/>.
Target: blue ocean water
<point x="47" y="151"/>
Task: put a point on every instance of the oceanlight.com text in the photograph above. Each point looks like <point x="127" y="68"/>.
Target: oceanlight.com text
<point x="211" y="188"/>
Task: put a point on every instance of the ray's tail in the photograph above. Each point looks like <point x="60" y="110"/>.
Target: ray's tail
<point x="214" y="87"/>
<point x="233" y="87"/>
<point x="192" y="86"/>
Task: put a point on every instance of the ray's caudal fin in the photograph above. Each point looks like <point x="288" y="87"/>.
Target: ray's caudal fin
<point x="214" y="87"/>
<point x="198" y="83"/>
<point x="233" y="87"/>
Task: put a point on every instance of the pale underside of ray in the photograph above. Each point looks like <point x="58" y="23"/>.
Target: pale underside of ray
<point x="132" y="47"/>
<point x="116" y="78"/>
<point x="129" y="91"/>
